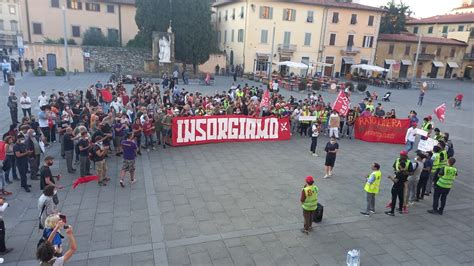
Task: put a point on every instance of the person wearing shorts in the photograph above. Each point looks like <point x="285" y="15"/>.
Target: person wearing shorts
<point x="167" y="122"/>
<point x="331" y="149"/>
<point x="130" y="148"/>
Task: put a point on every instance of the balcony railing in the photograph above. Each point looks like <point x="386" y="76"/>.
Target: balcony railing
<point x="469" y="56"/>
<point x="287" y="48"/>
<point x="424" y="57"/>
<point x="350" y="50"/>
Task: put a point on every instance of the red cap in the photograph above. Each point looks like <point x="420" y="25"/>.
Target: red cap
<point x="309" y="179"/>
<point x="429" y="117"/>
<point x="404" y="153"/>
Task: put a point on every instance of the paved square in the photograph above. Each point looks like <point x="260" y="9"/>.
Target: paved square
<point x="238" y="203"/>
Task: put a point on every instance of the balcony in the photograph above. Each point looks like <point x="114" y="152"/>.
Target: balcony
<point x="287" y="48"/>
<point x="349" y="50"/>
<point x="424" y="57"/>
<point x="469" y="56"/>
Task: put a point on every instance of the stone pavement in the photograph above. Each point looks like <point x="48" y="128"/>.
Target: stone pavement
<point x="238" y="203"/>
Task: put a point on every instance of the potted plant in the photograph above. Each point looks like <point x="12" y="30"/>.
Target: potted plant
<point x="361" y="87"/>
<point x="60" y="72"/>
<point x="39" y="72"/>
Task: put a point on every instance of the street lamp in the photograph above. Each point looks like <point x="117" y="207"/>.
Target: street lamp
<point x="65" y="42"/>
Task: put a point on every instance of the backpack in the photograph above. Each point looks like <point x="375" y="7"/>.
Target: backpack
<point x="49" y="263"/>
<point x="93" y="154"/>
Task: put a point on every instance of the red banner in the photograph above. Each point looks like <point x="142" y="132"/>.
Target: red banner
<point x="342" y="104"/>
<point x="374" y="129"/>
<point x="228" y="128"/>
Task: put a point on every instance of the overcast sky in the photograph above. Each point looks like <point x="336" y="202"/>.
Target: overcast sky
<point x="421" y="8"/>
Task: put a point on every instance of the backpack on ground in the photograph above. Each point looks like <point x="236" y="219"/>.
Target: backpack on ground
<point x="318" y="214"/>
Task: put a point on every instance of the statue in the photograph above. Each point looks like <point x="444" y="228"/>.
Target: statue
<point x="165" y="50"/>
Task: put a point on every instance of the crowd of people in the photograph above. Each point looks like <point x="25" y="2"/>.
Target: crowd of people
<point x="106" y="120"/>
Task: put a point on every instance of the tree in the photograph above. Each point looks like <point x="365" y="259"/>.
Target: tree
<point x="94" y="37"/>
<point x="194" y="36"/>
<point x="393" y="21"/>
<point x="151" y="15"/>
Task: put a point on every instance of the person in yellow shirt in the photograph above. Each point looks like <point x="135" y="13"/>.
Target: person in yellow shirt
<point x="309" y="203"/>
<point x="372" y="185"/>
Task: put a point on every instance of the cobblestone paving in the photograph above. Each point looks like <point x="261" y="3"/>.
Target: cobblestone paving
<point x="238" y="203"/>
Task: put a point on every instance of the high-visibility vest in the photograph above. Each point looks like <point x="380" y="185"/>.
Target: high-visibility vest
<point x="443" y="161"/>
<point x="425" y="126"/>
<point x="311" y="201"/>
<point x="370" y="107"/>
<point x="305" y="113"/>
<point x="374" y="187"/>
<point x="436" y="162"/>
<point x="397" y="165"/>
<point x="439" y="137"/>
<point x="446" y="180"/>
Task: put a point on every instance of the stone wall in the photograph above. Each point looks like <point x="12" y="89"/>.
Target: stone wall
<point x="111" y="59"/>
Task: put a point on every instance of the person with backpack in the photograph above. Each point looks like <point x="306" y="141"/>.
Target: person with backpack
<point x="46" y="205"/>
<point x="449" y="145"/>
<point x="97" y="155"/>
<point x="46" y="251"/>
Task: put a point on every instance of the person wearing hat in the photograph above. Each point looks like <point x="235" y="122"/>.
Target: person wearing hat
<point x="21" y="159"/>
<point x="410" y="137"/>
<point x="372" y="185"/>
<point x="309" y="203"/>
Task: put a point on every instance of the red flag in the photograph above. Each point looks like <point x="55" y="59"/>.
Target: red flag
<point x="265" y="99"/>
<point x="106" y="95"/>
<point x="84" y="179"/>
<point x="440" y="112"/>
<point x="3" y="151"/>
<point x="342" y="104"/>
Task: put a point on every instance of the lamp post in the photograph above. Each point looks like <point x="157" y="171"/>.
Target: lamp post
<point x="271" y="56"/>
<point x="65" y="42"/>
<point x="416" y="58"/>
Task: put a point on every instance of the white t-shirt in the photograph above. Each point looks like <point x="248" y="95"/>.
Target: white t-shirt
<point x="43" y="100"/>
<point x="25" y="102"/>
<point x="275" y="86"/>
<point x="315" y="132"/>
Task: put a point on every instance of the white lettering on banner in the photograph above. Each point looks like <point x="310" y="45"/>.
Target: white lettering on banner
<point x="233" y="128"/>
<point x="198" y="130"/>
<point x="201" y="133"/>
<point x="211" y="129"/>
<point x="307" y="118"/>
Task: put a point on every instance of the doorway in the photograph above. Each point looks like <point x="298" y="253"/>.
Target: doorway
<point x="419" y="70"/>
<point x="468" y="72"/>
<point x="449" y="72"/>
<point x="403" y="71"/>
<point x="328" y="70"/>
<point x="434" y="71"/>
<point x="51" y="62"/>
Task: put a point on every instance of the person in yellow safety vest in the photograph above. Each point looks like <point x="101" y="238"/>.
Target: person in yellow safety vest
<point x="372" y="185"/>
<point x="370" y="106"/>
<point x="404" y="173"/>
<point x="439" y="161"/>
<point x="438" y="135"/>
<point x="443" y="186"/>
<point x="309" y="203"/>
<point x="427" y="126"/>
<point x="305" y="124"/>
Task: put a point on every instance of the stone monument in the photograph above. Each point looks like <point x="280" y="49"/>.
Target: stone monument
<point x="163" y="51"/>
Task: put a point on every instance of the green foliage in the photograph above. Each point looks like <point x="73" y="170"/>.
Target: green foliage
<point x="59" y="41"/>
<point x="38" y="72"/>
<point x="49" y="41"/>
<point x="60" y="72"/>
<point x="151" y="15"/>
<point x="194" y="36"/>
<point x="94" y="37"/>
<point x="361" y="87"/>
<point x="394" y="20"/>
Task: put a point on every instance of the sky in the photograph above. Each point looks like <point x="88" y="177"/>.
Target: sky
<point x="421" y="8"/>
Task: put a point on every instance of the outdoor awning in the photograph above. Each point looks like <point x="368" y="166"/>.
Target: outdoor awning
<point x="406" y="62"/>
<point x="263" y="54"/>
<point x="438" y="64"/>
<point x="453" y="65"/>
<point x="348" y="60"/>
<point x="369" y="67"/>
<point x="293" y="64"/>
<point x="390" y="61"/>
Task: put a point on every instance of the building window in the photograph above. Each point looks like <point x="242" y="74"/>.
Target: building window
<point x="310" y="17"/>
<point x="430" y="30"/>
<point x="407" y="50"/>
<point x="96" y="29"/>
<point x="2" y="27"/>
<point x="74" y="4"/>
<point x="225" y="36"/>
<point x="335" y="17"/>
<point x="287" y="38"/>
<point x="219" y="37"/>
<point x="415" y="30"/>
<point x="242" y="12"/>
<point x="233" y="13"/>
<point x="354" y="19"/>
<point x="423" y="50"/>
<point x="220" y="16"/>
<point x="453" y="52"/>
<point x="391" y="47"/>
<point x="12" y="10"/>
<point x="232" y="36"/>
<point x="445" y="29"/>
<point x="266" y="12"/>
<point x="289" y="14"/>
<point x="110" y="9"/>
<point x="226" y="17"/>
<point x="307" y="39"/>
<point x="55" y="3"/>
<point x="332" y="39"/>
<point x="93" y="7"/>
<point x="264" y="36"/>
<point x="240" y="35"/>
<point x="368" y="41"/>
<point x="113" y="36"/>
<point x="461" y="28"/>
<point x="14" y="25"/>
<point x="76" y="31"/>
<point x="37" y="28"/>
<point x="371" y="21"/>
<point x="438" y="51"/>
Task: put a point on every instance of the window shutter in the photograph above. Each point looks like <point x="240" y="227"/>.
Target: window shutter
<point x="294" y="15"/>
<point x="271" y="13"/>
<point x="261" y="11"/>
<point x="79" y="5"/>
<point x="363" y="41"/>
<point x="371" y="42"/>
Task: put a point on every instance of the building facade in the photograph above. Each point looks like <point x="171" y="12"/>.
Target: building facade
<point x="9" y="26"/>
<point x="439" y="58"/>
<point x="43" y="19"/>
<point x="298" y="31"/>
<point x="467" y="6"/>
<point x="440" y="26"/>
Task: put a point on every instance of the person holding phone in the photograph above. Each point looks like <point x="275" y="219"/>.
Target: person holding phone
<point x="46" y="251"/>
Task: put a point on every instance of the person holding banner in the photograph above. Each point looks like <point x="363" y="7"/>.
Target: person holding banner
<point x="410" y="137"/>
<point x="305" y="124"/>
<point x="331" y="150"/>
<point x="424" y="175"/>
<point x="334" y="123"/>
<point x="315" y="129"/>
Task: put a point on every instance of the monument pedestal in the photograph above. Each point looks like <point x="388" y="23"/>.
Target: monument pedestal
<point x="163" y="51"/>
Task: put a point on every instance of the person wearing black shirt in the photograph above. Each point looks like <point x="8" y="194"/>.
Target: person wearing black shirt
<point x="85" y="163"/>
<point x="68" y="143"/>
<point x="62" y="125"/>
<point x="46" y="177"/>
<point x="21" y="156"/>
<point x="331" y="150"/>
